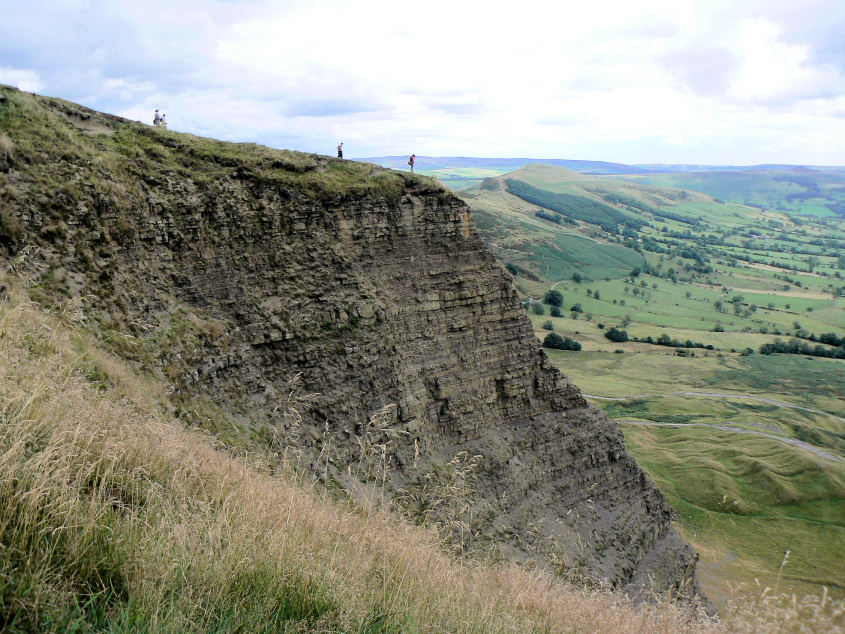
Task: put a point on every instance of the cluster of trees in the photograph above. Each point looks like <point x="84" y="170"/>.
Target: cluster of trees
<point x="829" y="338"/>
<point x="629" y="201"/>
<point x="796" y="346"/>
<point x="575" y="207"/>
<point x="554" y="340"/>
<point x="555" y="218"/>
<point x="553" y="298"/>
<point x="620" y="336"/>
<point x="617" y="335"/>
<point x="666" y="340"/>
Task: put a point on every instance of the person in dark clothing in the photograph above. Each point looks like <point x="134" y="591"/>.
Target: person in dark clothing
<point x="411" y="162"/>
<point x="340" y="150"/>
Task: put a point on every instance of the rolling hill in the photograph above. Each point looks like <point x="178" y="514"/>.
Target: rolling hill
<point x="750" y="447"/>
<point x="796" y="190"/>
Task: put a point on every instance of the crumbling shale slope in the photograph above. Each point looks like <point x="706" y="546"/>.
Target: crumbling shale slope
<point x="232" y="269"/>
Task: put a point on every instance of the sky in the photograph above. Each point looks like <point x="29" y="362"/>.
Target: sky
<point x="709" y="82"/>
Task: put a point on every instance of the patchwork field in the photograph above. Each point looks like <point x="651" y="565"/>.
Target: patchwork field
<point x="748" y="447"/>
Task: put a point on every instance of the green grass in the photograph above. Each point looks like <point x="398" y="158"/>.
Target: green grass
<point x="51" y="129"/>
<point x="772" y="189"/>
<point x="786" y="497"/>
<point x="743" y="501"/>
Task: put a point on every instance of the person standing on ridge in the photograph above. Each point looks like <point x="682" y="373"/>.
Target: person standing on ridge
<point x="163" y="122"/>
<point x="157" y="118"/>
<point x="411" y="162"/>
<point x="340" y="150"/>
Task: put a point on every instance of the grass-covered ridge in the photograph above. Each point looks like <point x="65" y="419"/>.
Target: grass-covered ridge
<point x="38" y="128"/>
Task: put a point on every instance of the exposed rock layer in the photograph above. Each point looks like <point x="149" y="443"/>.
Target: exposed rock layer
<point x="246" y="267"/>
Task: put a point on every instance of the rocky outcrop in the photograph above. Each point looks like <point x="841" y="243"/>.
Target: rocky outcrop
<point x="239" y="268"/>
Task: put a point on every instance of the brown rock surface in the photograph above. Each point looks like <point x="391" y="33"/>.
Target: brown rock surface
<point x="241" y="267"/>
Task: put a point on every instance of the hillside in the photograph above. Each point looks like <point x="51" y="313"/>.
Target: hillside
<point x="244" y="277"/>
<point x="749" y="447"/>
<point x="796" y="190"/>
<point x="519" y="215"/>
<point x="117" y="517"/>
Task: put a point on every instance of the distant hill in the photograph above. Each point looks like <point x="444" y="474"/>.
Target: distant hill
<point x="796" y="190"/>
<point x="503" y="164"/>
<point x="683" y="167"/>
<point x="585" y="167"/>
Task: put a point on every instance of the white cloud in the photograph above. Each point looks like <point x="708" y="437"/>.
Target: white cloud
<point x="666" y="80"/>
<point x="772" y="71"/>
<point x="27" y="80"/>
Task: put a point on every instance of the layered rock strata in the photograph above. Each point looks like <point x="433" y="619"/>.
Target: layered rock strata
<point x="241" y="268"/>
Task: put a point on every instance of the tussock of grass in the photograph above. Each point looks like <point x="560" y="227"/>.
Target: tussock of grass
<point x="113" y="517"/>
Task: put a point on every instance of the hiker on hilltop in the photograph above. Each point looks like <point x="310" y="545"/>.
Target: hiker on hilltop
<point x="157" y="118"/>
<point x="163" y="122"/>
<point x="411" y="162"/>
<point x="340" y="150"/>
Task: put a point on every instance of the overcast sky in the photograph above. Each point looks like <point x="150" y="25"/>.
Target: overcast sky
<point x="709" y="81"/>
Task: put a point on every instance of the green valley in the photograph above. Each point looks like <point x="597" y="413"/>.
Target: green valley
<point x="748" y="447"/>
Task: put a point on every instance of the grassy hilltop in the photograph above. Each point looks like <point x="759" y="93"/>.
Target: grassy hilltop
<point x="712" y="282"/>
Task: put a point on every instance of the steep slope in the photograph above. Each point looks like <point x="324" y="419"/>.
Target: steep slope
<point x="231" y="269"/>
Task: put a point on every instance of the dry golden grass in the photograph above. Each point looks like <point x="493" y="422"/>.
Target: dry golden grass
<point x="114" y="518"/>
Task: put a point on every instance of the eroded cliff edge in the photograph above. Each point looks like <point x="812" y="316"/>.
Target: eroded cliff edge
<point x="234" y="268"/>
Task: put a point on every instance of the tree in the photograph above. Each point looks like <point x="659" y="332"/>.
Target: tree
<point x="689" y="294"/>
<point x="554" y="340"/>
<point x="548" y="325"/>
<point x="576" y="277"/>
<point x="596" y="295"/>
<point x="616" y="335"/>
<point x="539" y="309"/>
<point x="635" y="272"/>
<point x="718" y="305"/>
<point x="556" y="312"/>
<point x="577" y="308"/>
<point x="512" y="269"/>
<point x="554" y="298"/>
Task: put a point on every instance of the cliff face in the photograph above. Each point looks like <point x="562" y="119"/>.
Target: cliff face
<point x="236" y="268"/>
